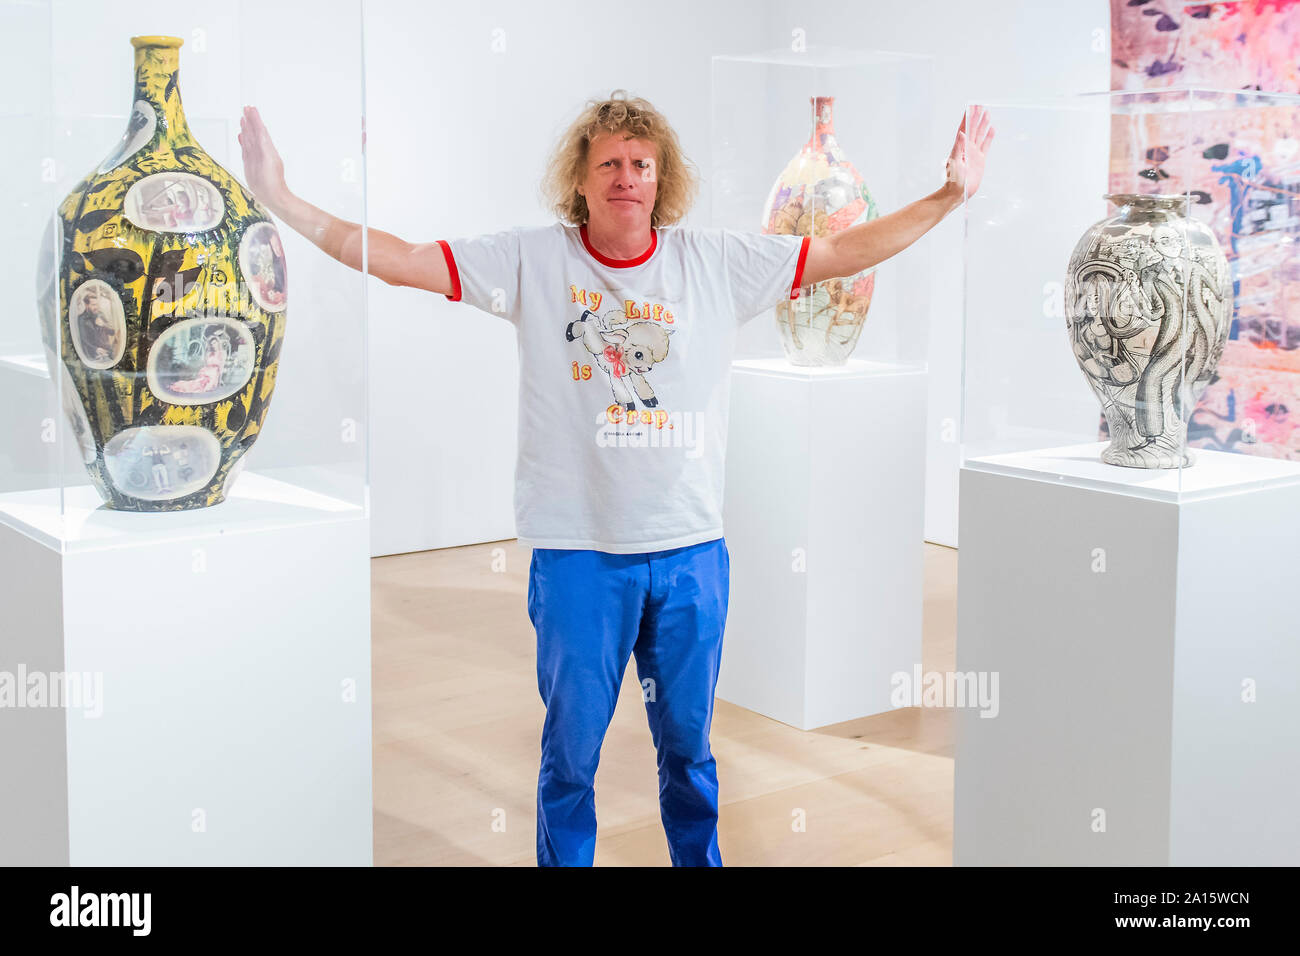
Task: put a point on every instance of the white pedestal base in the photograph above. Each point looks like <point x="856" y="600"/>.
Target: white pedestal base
<point x="1148" y="663"/>
<point x="231" y="653"/>
<point x="823" y="519"/>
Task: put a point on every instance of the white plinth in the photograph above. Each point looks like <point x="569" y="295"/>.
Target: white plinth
<point x="232" y="647"/>
<point x="823" y="518"/>
<point x="1130" y="626"/>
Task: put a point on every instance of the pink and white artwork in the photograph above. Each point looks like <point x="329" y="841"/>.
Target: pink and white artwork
<point x="1242" y="168"/>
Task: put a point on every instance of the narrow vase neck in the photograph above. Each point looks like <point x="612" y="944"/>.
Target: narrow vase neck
<point x="157" y="81"/>
<point x="823" y="121"/>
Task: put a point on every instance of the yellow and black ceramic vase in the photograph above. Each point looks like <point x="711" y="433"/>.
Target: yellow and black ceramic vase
<point x="171" y="308"/>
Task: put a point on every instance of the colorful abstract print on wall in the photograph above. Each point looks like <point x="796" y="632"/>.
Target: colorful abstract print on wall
<point x="1242" y="168"/>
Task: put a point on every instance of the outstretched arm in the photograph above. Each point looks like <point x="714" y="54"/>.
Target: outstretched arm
<point x="869" y="243"/>
<point x="394" y="260"/>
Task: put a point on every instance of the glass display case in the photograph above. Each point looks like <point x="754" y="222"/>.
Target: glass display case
<point x="1131" y="312"/>
<point x="175" y="361"/>
<point x="811" y="142"/>
<point x="825" y="466"/>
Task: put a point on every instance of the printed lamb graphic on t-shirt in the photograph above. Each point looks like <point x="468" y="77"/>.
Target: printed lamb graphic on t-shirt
<point x="626" y="351"/>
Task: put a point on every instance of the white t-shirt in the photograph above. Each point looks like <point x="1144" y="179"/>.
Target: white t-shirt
<point x="624" y="373"/>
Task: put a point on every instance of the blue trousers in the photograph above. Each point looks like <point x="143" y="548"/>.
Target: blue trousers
<point x="591" y="611"/>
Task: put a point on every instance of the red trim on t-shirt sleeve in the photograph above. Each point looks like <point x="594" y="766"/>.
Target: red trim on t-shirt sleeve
<point x="455" y="273"/>
<point x="798" y="269"/>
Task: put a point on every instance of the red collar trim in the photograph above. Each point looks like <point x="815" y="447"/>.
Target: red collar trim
<point x="619" y="263"/>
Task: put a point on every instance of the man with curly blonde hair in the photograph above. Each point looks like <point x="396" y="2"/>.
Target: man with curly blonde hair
<point x="626" y="323"/>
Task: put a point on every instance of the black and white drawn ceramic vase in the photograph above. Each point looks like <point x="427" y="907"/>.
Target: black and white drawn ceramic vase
<point x="1148" y="303"/>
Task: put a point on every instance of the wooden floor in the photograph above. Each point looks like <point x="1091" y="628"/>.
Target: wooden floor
<point x="458" y="720"/>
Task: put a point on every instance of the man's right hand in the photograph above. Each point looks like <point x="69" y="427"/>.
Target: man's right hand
<point x="391" y="259"/>
<point x="263" y="168"/>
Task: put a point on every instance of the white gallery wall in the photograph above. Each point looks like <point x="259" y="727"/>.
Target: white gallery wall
<point x="463" y="103"/>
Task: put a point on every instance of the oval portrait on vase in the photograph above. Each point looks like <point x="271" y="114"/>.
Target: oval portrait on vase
<point x="162" y="462"/>
<point x="139" y="131"/>
<point x="200" y="361"/>
<point x="97" y="322"/>
<point x="261" y="260"/>
<point x="174" y="202"/>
